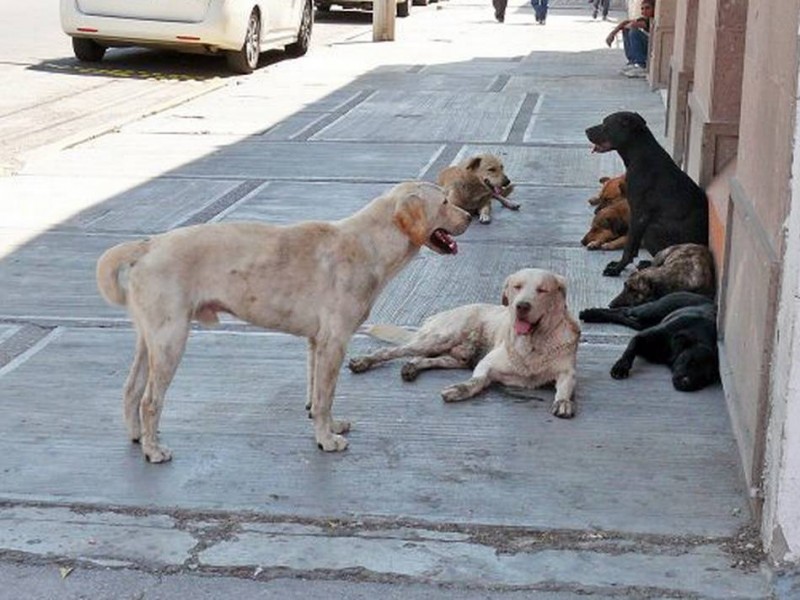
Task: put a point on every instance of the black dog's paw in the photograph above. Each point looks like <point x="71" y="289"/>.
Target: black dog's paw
<point x="591" y="315"/>
<point x="613" y="269"/>
<point x="620" y="370"/>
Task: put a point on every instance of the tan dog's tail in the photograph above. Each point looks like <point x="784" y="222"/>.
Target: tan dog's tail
<point x="111" y="262"/>
<point x="390" y="333"/>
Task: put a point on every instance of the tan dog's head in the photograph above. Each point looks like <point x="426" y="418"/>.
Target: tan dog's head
<point x="613" y="189"/>
<point x="536" y="298"/>
<point x="489" y="169"/>
<point x="425" y="215"/>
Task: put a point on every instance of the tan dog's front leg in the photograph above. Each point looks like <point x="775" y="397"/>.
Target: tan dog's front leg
<point x="311" y="372"/>
<point x="485" y="212"/>
<point x="563" y="405"/>
<point x="328" y="359"/>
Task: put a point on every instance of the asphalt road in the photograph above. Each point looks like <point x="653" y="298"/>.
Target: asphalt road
<point x="50" y="100"/>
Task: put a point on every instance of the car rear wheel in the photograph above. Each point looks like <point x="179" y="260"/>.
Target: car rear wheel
<point x="87" y="50"/>
<point x="404" y="8"/>
<point x="300" y="47"/>
<point x="245" y="60"/>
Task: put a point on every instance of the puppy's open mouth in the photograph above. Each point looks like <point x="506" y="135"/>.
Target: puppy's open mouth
<point x="443" y="242"/>
<point x="497" y="190"/>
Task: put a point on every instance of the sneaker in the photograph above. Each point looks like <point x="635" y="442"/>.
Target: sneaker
<point x="626" y="68"/>
<point x="636" y="72"/>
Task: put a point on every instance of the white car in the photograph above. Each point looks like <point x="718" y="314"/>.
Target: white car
<point x="242" y="29"/>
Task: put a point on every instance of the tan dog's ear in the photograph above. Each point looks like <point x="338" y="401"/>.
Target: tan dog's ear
<point x="410" y="218"/>
<point x="474" y="163"/>
<point x="623" y="188"/>
<point x="604" y="179"/>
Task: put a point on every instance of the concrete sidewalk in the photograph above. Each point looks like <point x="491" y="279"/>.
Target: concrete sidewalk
<point x="639" y="496"/>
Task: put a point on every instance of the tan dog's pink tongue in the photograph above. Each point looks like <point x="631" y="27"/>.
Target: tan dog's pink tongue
<point x="522" y="327"/>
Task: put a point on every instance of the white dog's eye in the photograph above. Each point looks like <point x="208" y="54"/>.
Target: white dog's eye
<point x="542" y="290"/>
<point x="517" y="286"/>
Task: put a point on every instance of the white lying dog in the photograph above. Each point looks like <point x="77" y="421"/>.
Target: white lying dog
<point x="529" y="341"/>
<point x="314" y="279"/>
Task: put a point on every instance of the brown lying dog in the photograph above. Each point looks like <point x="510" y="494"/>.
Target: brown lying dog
<point x="472" y="184"/>
<point x="315" y="279"/>
<point x="679" y="268"/>
<point x="528" y="341"/>
<point x="612" y="215"/>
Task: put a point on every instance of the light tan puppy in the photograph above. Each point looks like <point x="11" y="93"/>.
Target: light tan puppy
<point x="473" y="183"/>
<point x="529" y="341"/>
<point x="314" y="279"/>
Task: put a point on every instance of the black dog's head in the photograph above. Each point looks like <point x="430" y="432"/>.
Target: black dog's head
<point x="616" y="131"/>
<point x="695" y="365"/>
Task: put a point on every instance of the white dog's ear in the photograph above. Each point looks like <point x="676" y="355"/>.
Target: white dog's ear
<point x="562" y="284"/>
<point x="504" y="297"/>
<point x="411" y="219"/>
<point x="473" y="164"/>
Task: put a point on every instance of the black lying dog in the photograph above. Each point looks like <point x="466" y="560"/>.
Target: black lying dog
<point x="679" y="330"/>
<point x="667" y="207"/>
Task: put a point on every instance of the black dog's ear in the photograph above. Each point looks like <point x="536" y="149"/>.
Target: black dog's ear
<point x="474" y="163"/>
<point x="681" y="341"/>
<point x="637" y="120"/>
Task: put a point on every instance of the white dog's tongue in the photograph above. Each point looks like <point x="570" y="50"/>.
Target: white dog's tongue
<point x="522" y="327"/>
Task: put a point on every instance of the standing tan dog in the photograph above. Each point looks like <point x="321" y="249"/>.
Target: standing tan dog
<point x="314" y="279"/>
<point x="472" y="185"/>
<point x="529" y="341"/>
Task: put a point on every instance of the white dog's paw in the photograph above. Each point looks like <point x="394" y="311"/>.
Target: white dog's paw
<point x="455" y="393"/>
<point x="156" y="454"/>
<point x="340" y="426"/>
<point x="485" y="219"/>
<point x="332" y="443"/>
<point x="359" y="364"/>
<point x="563" y="409"/>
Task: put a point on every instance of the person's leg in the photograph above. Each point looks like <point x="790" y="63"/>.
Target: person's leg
<point x="606" y="5"/>
<point x="500" y="9"/>
<point x="626" y="45"/>
<point x="637" y="42"/>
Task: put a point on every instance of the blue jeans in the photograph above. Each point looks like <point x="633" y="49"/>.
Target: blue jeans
<point x="634" y="41"/>
<point x="540" y="6"/>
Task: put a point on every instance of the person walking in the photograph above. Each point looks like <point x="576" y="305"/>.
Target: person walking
<point x="540" y="7"/>
<point x="499" y="9"/>
<point x="598" y="5"/>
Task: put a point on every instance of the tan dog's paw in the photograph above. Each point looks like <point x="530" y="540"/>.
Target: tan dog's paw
<point x="332" y="443"/>
<point x="340" y="426"/>
<point x="563" y="409"/>
<point x="156" y="454"/>
<point x="593" y="245"/>
<point x="359" y="364"/>
<point x="456" y="393"/>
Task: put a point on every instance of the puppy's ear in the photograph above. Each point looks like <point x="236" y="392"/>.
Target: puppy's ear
<point x="473" y="164"/>
<point x="623" y="188"/>
<point x="604" y="179"/>
<point x="410" y="218"/>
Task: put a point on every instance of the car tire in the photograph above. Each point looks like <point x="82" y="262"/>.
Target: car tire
<point x="245" y="60"/>
<point x="300" y="47"/>
<point x="404" y="8"/>
<point x="421" y="2"/>
<point x="87" y="50"/>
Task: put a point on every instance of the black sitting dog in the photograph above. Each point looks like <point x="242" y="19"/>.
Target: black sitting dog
<point x="667" y="207"/>
<point x="679" y="330"/>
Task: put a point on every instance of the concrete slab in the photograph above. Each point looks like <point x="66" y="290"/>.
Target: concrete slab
<point x="244" y="443"/>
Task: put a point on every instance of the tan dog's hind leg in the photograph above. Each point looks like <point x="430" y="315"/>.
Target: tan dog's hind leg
<point x="329" y="355"/>
<point x="134" y="389"/>
<point x="563" y="406"/>
<point x="311" y="372"/>
<point x="421" y="346"/>
<point x="165" y="348"/>
<point x="412" y="368"/>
